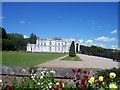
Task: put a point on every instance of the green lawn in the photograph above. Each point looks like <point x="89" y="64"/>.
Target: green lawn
<point x="27" y="59"/>
<point x="68" y="58"/>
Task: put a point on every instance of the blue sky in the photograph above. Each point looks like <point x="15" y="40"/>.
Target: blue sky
<point x="94" y="23"/>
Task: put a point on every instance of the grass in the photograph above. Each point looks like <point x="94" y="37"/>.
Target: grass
<point x="27" y="59"/>
<point x="68" y="58"/>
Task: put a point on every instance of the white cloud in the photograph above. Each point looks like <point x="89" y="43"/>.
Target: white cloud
<point x="25" y="36"/>
<point x="22" y="22"/>
<point x="89" y="42"/>
<point x="114" y="46"/>
<point x="81" y="40"/>
<point x="105" y="39"/>
<point x="114" y="31"/>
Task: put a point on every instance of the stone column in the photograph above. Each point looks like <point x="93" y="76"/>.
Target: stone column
<point x="75" y="47"/>
<point x="78" y="47"/>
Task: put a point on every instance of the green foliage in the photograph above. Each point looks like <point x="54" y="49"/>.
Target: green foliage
<point x="99" y="51"/>
<point x="72" y="50"/>
<point x="33" y="38"/>
<point x="68" y="58"/>
<point x="78" y="79"/>
<point x="106" y="72"/>
<point x="27" y="59"/>
<point x="4" y="34"/>
<point x="43" y="81"/>
<point x="15" y="41"/>
<point x="8" y="45"/>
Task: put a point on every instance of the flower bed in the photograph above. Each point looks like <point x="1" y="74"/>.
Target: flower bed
<point x="82" y="80"/>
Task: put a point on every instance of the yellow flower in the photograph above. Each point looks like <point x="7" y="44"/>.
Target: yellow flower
<point x="101" y="78"/>
<point x="112" y="75"/>
<point x="112" y="85"/>
<point x="91" y="80"/>
<point x="57" y="83"/>
<point x="63" y="85"/>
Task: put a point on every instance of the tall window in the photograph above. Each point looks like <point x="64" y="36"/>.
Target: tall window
<point x="50" y="43"/>
<point x="44" y="44"/>
<point x="50" y="49"/>
<point x="58" y="48"/>
<point x="41" y="43"/>
<point x="58" y="44"/>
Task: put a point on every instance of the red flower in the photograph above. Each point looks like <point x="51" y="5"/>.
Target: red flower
<point x="78" y="70"/>
<point x="78" y="76"/>
<point x="86" y="77"/>
<point x="83" y="81"/>
<point x="99" y="83"/>
<point x="8" y="87"/>
<point x="61" y="86"/>
<point x="73" y="70"/>
<point x="85" y="85"/>
<point x="85" y="72"/>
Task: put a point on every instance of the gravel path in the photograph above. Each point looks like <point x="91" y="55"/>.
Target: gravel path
<point x="88" y="62"/>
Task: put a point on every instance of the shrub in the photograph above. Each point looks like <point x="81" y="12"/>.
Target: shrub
<point x="72" y="50"/>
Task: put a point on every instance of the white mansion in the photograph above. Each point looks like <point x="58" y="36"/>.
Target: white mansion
<point x="55" y="45"/>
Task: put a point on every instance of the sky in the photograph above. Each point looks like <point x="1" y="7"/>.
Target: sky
<point x="93" y="23"/>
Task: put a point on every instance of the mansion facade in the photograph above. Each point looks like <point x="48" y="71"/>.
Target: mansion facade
<point x="54" y="45"/>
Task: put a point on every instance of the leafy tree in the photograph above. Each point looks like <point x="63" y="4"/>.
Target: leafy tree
<point x="72" y="50"/>
<point x="7" y="45"/>
<point x="3" y="33"/>
<point x="33" y="38"/>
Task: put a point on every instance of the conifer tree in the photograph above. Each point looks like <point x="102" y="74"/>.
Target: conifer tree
<point x="72" y="50"/>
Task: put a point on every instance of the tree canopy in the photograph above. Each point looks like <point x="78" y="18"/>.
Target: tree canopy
<point x="15" y="41"/>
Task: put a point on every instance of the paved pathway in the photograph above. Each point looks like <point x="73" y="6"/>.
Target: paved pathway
<point x="88" y="62"/>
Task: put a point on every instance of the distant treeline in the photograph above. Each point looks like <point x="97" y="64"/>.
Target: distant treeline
<point x="99" y="51"/>
<point x="15" y="41"/>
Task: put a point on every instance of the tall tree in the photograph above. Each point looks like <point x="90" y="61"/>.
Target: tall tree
<point x="72" y="50"/>
<point x="3" y="34"/>
<point x="33" y="38"/>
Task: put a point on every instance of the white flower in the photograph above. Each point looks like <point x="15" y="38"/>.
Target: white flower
<point x="47" y="72"/>
<point x="45" y="69"/>
<point x="112" y="75"/>
<point x="38" y="83"/>
<point x="41" y="77"/>
<point x="42" y="73"/>
<point x="50" y="83"/>
<point x="35" y="74"/>
<point x="41" y="83"/>
<point x="50" y="86"/>
<point x="32" y="76"/>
